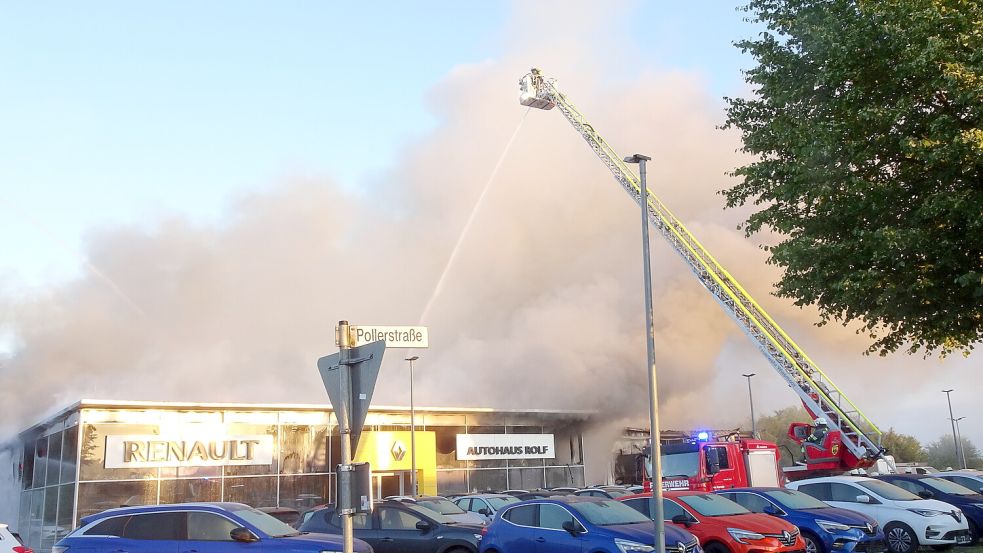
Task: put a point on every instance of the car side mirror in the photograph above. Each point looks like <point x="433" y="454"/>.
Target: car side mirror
<point x="423" y="526"/>
<point x="484" y="511"/>
<point x="863" y="498"/>
<point x="925" y="494"/>
<point x="571" y="527"/>
<point x="243" y="535"/>
<point x="682" y="519"/>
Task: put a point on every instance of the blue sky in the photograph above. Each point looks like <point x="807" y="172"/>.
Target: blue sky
<point x="119" y="113"/>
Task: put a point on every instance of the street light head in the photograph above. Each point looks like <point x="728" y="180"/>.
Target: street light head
<point x="947" y="391"/>
<point x="748" y="375"/>
<point x="635" y="158"/>
<point x="413" y="358"/>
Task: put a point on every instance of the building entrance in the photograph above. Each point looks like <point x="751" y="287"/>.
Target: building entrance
<point x="398" y="482"/>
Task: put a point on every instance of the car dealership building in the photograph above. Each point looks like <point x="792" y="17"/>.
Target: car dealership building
<point x="96" y="455"/>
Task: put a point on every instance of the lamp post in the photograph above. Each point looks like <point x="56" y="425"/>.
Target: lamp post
<point x="750" y="398"/>
<point x="415" y="493"/>
<point x="654" y="432"/>
<point x="959" y="440"/>
<point x="955" y="440"/>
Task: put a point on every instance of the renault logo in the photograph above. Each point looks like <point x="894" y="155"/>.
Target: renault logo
<point x="398" y="450"/>
<point x="786" y="536"/>
<point x="870" y="528"/>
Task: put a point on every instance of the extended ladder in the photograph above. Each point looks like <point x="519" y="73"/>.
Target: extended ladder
<point x="815" y="389"/>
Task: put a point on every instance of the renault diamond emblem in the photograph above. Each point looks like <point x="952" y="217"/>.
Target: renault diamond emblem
<point x="870" y="528"/>
<point x="398" y="450"/>
<point x="786" y="536"/>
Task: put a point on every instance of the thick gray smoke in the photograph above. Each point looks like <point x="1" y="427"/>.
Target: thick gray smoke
<point x="542" y="308"/>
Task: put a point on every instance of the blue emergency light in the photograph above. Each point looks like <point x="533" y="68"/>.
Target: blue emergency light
<point x="703" y="436"/>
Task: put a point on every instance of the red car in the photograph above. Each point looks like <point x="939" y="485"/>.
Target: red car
<point x="723" y="526"/>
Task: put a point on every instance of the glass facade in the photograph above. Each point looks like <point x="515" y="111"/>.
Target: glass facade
<point x="100" y="458"/>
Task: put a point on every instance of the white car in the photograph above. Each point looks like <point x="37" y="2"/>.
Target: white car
<point x="972" y="479"/>
<point x="908" y="520"/>
<point x="485" y="504"/>
<point x="9" y="543"/>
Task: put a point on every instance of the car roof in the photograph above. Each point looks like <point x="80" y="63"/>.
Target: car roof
<point x="485" y="495"/>
<point x="835" y="479"/>
<point x="139" y="509"/>
<point x="906" y="476"/>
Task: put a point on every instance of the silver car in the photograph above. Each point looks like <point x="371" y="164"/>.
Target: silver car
<point x="485" y="504"/>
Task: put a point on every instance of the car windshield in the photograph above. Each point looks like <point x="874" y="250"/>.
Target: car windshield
<point x="681" y="464"/>
<point x="713" y="505"/>
<point x="945" y="486"/>
<point x="266" y="523"/>
<point x="608" y="512"/>
<point x="794" y="499"/>
<point x="442" y="506"/>
<point x="888" y="491"/>
<point x="499" y="502"/>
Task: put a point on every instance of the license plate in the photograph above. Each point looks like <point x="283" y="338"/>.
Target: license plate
<point x="963" y="539"/>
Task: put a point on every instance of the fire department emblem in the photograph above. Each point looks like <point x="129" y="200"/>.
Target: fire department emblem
<point x="835" y="449"/>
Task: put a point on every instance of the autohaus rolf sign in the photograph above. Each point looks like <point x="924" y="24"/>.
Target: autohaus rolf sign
<point x="483" y="447"/>
<point x="160" y="451"/>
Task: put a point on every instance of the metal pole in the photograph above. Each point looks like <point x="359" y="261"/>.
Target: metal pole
<point x="413" y="486"/>
<point x="955" y="440"/>
<point x="654" y="432"/>
<point x="959" y="440"/>
<point x="344" y="427"/>
<point x="750" y="398"/>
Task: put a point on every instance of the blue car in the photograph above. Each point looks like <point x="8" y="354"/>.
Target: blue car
<point x="569" y="524"/>
<point x="825" y="529"/>
<point x="930" y="486"/>
<point x="199" y="527"/>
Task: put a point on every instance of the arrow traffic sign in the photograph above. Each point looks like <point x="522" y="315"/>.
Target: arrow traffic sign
<point x="363" y="362"/>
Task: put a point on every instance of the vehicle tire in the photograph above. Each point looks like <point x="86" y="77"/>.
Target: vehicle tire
<point x="716" y="548"/>
<point x="900" y="538"/>
<point x="813" y="544"/>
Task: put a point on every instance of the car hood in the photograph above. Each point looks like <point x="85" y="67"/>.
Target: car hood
<point x="330" y="542"/>
<point x="933" y="504"/>
<point x="468" y="518"/>
<point x="756" y="522"/>
<point x="961" y="500"/>
<point x="644" y="532"/>
<point x="836" y="514"/>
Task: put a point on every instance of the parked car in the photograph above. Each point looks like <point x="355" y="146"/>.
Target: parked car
<point x="207" y="527"/>
<point x="972" y="479"/>
<point x="606" y="492"/>
<point x="571" y="523"/>
<point x="515" y="492"/>
<point x="11" y="543"/>
<point x="908" y="520"/>
<point x="824" y="528"/>
<point x="397" y="527"/>
<point x="722" y="525"/>
<point x="564" y="489"/>
<point x="485" y="504"/>
<point x="970" y="502"/>
<point x="444" y="506"/>
<point x="541" y="494"/>
<point x="283" y="514"/>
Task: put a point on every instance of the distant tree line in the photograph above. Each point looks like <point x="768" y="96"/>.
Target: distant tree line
<point x="940" y="454"/>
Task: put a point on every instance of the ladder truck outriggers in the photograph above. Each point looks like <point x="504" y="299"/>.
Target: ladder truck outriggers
<point x="841" y="439"/>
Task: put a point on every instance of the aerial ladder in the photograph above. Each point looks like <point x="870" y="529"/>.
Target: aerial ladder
<point x="852" y="440"/>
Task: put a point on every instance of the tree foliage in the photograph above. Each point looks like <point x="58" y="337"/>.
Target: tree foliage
<point x="904" y="448"/>
<point x="774" y="428"/>
<point x="941" y="453"/>
<point x="866" y="130"/>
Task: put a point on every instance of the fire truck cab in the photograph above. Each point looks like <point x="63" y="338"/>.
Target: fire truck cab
<point x="719" y="465"/>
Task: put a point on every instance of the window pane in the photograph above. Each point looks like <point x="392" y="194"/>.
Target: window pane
<point x="671" y="509"/>
<point x="69" y="451"/>
<point x="209" y="527"/>
<point x="28" y="470"/>
<point x="751" y="502"/>
<point x="452" y="481"/>
<point x="395" y="519"/>
<point x="49" y="530"/>
<point x="242" y="429"/>
<point x="843" y="492"/>
<point x="40" y="461"/>
<point x="304" y="492"/>
<point x="255" y="492"/>
<point x="37" y="512"/>
<point x="304" y="449"/>
<point x="445" y="439"/>
<point x="66" y="497"/>
<point x="565" y="477"/>
<point x="194" y="489"/>
<point x="360" y="521"/>
<point x="527" y="462"/>
<point x="489" y="480"/>
<point x="94" y="452"/>
<point x="96" y="497"/>
<point x="524" y="515"/>
<point x="553" y="516"/>
<point x="527" y="479"/>
<point x="54" y="459"/>
<point x="641" y="505"/>
<point x="156" y="526"/>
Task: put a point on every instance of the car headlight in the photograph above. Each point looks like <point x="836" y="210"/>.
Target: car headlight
<point x="742" y="535"/>
<point x="927" y="512"/>
<point x="830" y="526"/>
<point x="628" y="546"/>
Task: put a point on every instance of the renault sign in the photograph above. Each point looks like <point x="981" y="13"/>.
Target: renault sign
<point x="393" y="336"/>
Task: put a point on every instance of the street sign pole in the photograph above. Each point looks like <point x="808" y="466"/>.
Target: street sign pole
<point x="344" y="426"/>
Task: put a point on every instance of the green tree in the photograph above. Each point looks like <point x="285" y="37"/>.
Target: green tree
<point x="904" y="448"/>
<point x="774" y="428"/>
<point x="867" y="146"/>
<point x="941" y="453"/>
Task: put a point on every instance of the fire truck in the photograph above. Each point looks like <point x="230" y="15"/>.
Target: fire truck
<point x="841" y="438"/>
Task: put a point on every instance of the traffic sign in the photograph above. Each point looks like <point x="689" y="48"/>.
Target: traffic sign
<point x="364" y="362"/>
<point x="394" y="336"/>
